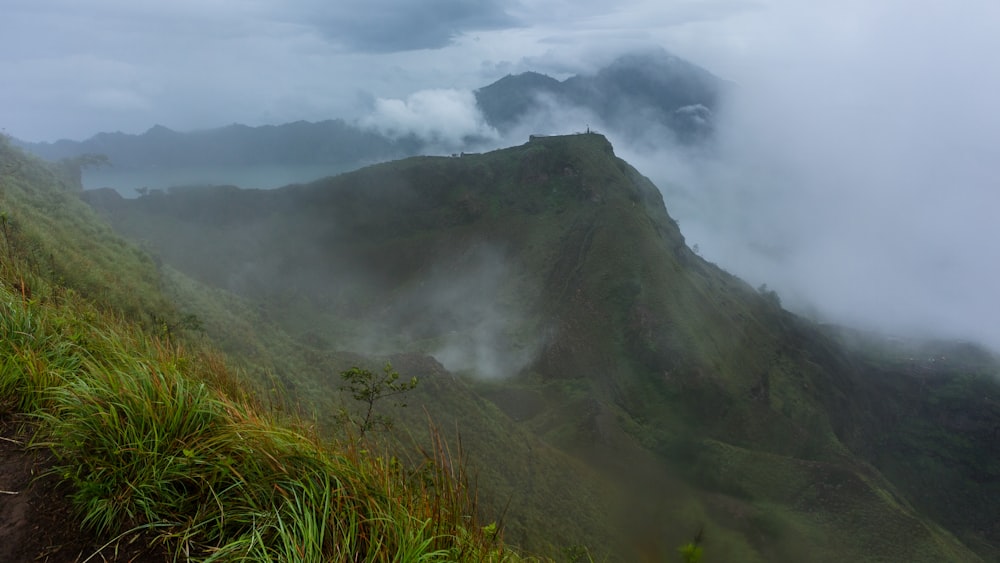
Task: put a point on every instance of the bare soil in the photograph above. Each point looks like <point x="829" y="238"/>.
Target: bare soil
<point x="37" y="521"/>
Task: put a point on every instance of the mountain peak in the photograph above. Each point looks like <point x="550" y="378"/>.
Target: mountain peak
<point x="159" y="131"/>
<point x="651" y="84"/>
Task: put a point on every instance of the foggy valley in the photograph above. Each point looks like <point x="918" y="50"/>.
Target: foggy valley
<point x="699" y="281"/>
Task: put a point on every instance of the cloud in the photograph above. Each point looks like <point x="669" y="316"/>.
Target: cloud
<point x="855" y="173"/>
<point x="856" y="167"/>
<point x="446" y="118"/>
<point x="386" y="26"/>
<point x="209" y="63"/>
<point x="466" y="309"/>
<point x="116" y="99"/>
<point x="632" y="15"/>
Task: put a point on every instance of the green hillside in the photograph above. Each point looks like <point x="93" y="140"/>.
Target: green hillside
<point x="597" y="330"/>
<point x="617" y="390"/>
<point x="157" y="440"/>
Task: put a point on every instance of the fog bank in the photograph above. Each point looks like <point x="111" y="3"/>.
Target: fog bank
<point x="857" y="169"/>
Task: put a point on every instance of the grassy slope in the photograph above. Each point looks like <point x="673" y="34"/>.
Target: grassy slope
<point x="161" y="436"/>
<point x="657" y="368"/>
<point x="518" y="476"/>
<point x="933" y="430"/>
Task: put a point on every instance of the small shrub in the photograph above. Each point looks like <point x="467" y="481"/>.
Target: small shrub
<point x="368" y="388"/>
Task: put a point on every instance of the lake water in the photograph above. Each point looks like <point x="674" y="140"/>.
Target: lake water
<point x="260" y="177"/>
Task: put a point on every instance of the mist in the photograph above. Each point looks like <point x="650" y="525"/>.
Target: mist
<point x="854" y="167"/>
<point x="871" y="213"/>
<point x="444" y="120"/>
<point x="260" y="176"/>
<point x="860" y="185"/>
<point x="464" y="312"/>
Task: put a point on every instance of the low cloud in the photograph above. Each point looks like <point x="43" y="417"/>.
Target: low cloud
<point x="386" y="26"/>
<point x="854" y="168"/>
<point x="468" y="311"/>
<point x="446" y="119"/>
<point x="859" y="182"/>
<point x="117" y="99"/>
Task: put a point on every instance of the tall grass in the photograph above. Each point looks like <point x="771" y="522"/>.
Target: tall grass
<point x="153" y="437"/>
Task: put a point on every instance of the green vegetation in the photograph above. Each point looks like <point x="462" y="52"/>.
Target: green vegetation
<point x="657" y="395"/>
<point x="369" y="388"/>
<point x="156" y="434"/>
<point x="71" y="169"/>
<point x="153" y="438"/>
<point x="692" y="552"/>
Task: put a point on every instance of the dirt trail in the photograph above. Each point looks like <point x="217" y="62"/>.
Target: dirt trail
<point x="36" y="518"/>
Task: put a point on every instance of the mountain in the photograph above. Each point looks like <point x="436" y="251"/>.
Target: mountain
<point x="635" y="95"/>
<point x="595" y="366"/>
<point x="301" y="142"/>
<point x="513" y="97"/>
<point x="265" y="156"/>
<point x="127" y="435"/>
<point x="653" y="96"/>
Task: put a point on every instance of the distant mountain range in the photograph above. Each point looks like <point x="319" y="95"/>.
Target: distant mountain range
<point x="635" y="94"/>
<point x="298" y="143"/>
<point x="650" y="93"/>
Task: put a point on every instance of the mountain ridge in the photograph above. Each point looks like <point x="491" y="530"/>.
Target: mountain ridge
<point x="649" y="94"/>
<point x="645" y="360"/>
<point x="154" y="445"/>
<point x="637" y="95"/>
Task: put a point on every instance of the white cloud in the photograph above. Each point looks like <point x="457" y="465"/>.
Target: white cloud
<point x="443" y="117"/>
<point x="116" y="99"/>
<point x="211" y="63"/>
<point x="857" y="166"/>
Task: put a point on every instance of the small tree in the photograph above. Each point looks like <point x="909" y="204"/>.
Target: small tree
<point x="692" y="551"/>
<point x="72" y="168"/>
<point x="770" y="295"/>
<point x="368" y="388"/>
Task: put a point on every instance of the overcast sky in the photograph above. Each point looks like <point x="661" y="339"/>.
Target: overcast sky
<point x="859" y="165"/>
<point x="71" y="69"/>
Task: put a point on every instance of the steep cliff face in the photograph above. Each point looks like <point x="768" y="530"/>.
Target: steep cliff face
<point x="551" y="280"/>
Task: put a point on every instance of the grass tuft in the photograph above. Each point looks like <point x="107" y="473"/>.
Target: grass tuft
<point x="156" y="438"/>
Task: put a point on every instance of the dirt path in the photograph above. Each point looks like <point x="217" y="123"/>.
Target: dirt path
<point x="36" y="518"/>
